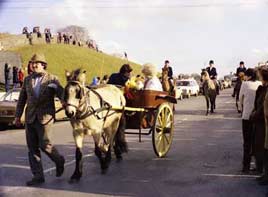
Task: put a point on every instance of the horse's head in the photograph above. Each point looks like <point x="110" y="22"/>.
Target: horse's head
<point x="74" y="91"/>
<point x="204" y="75"/>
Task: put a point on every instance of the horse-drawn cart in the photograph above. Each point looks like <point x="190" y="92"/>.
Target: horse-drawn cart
<point x="98" y="112"/>
<point x="152" y="111"/>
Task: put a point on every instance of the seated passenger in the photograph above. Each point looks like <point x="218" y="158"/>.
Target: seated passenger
<point x="151" y="80"/>
<point x="122" y="77"/>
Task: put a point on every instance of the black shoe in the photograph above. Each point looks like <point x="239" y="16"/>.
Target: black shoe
<point x="60" y="167"/>
<point x="35" y="181"/>
<point x="261" y="178"/>
<point x="245" y="171"/>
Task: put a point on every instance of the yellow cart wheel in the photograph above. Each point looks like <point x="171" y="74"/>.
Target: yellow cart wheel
<point x="163" y="130"/>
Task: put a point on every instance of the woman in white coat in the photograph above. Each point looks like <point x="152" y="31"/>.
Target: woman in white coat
<point x="151" y="80"/>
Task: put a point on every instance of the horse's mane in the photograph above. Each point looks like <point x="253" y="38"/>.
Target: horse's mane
<point x="207" y="79"/>
<point x="74" y="74"/>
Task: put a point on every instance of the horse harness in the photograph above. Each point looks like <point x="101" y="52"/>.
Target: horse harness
<point x="89" y="110"/>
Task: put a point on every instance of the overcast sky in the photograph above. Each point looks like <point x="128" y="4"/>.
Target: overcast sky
<point x="187" y="32"/>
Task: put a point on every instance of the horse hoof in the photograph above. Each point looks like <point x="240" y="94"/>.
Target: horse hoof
<point x="104" y="171"/>
<point x="119" y="158"/>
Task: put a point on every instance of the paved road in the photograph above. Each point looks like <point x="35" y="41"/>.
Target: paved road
<point x="205" y="160"/>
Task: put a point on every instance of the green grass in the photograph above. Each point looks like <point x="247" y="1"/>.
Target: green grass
<point x="69" y="57"/>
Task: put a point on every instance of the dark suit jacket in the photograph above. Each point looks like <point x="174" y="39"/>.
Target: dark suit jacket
<point x="258" y="111"/>
<point x="239" y="69"/>
<point x="117" y="79"/>
<point x="43" y="107"/>
<point x="212" y="72"/>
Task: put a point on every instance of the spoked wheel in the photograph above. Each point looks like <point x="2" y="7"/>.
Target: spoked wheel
<point x="163" y="130"/>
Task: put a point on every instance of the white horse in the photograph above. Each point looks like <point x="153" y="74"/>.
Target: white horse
<point x="90" y="113"/>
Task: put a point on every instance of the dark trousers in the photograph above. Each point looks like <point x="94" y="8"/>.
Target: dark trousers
<point x="265" y="162"/>
<point x="259" y="138"/>
<point x="247" y="128"/>
<point x="37" y="137"/>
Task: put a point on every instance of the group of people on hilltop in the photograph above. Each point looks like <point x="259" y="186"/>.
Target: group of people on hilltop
<point x="29" y="35"/>
<point x="15" y="75"/>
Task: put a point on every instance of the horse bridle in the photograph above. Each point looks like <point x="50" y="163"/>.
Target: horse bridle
<point x="89" y="109"/>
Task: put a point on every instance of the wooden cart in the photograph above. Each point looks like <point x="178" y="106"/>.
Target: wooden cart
<point x="152" y="111"/>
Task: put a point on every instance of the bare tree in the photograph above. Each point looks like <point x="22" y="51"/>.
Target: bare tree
<point x="78" y="33"/>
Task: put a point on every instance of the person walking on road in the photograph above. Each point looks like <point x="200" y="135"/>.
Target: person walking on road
<point x="38" y="91"/>
<point x="246" y="99"/>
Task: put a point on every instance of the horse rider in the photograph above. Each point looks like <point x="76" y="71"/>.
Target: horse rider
<point x="241" y="69"/>
<point x="213" y="74"/>
<point x="37" y="93"/>
<point x="169" y="70"/>
<point x="120" y="79"/>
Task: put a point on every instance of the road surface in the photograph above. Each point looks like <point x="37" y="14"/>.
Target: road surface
<point x="204" y="160"/>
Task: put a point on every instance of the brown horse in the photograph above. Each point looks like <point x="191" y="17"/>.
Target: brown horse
<point x="90" y="113"/>
<point x="167" y="84"/>
<point x="209" y="90"/>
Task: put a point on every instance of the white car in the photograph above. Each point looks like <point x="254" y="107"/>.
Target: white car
<point x="178" y="93"/>
<point x="189" y="87"/>
<point x="2" y="95"/>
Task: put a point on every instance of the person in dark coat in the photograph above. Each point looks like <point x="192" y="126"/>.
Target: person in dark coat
<point x="15" y="76"/>
<point x="241" y="68"/>
<point x="239" y="71"/>
<point x="170" y="71"/>
<point x="213" y="74"/>
<point x="257" y="116"/>
<point x="7" y="77"/>
<point x="122" y="77"/>
<point x="37" y="96"/>
<point x="212" y="70"/>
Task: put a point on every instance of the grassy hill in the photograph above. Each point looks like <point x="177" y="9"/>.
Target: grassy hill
<point x="69" y="57"/>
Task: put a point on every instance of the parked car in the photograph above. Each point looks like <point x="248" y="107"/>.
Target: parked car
<point x="233" y="81"/>
<point x="178" y="93"/>
<point x="229" y="83"/>
<point x="2" y="95"/>
<point x="224" y="84"/>
<point x="8" y="107"/>
<point x="189" y="87"/>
